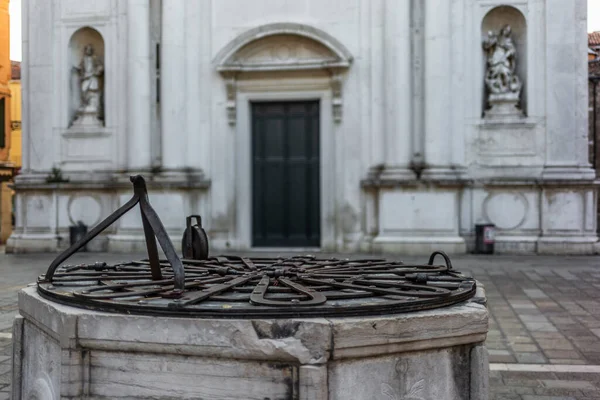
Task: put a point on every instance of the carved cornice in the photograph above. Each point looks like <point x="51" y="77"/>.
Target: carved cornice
<point x="340" y="56"/>
<point x="231" y="88"/>
<point x="279" y="48"/>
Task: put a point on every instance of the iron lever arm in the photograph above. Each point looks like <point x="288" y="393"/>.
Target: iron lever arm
<point x="153" y="227"/>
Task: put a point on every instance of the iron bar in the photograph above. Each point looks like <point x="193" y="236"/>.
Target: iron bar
<point x="244" y="287"/>
<point x="153" y="227"/>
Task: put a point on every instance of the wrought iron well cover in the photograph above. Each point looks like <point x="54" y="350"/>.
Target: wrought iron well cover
<point x="240" y="287"/>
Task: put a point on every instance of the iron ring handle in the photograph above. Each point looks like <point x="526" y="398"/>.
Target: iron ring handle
<point x="444" y="255"/>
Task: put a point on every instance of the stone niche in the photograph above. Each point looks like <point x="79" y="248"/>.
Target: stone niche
<point x="86" y="54"/>
<point x="494" y="21"/>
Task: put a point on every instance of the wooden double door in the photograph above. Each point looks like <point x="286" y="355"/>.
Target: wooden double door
<point x="286" y="174"/>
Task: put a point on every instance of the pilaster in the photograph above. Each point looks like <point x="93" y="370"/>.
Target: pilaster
<point x="138" y="85"/>
<point x="173" y="85"/>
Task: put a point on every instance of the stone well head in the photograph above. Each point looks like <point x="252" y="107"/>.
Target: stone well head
<point x="236" y="327"/>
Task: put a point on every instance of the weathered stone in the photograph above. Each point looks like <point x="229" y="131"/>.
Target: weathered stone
<point x="80" y="353"/>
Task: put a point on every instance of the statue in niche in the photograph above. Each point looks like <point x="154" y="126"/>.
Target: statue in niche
<point x="90" y="72"/>
<point x="501" y="80"/>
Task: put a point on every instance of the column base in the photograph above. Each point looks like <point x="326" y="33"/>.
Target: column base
<point x="569" y="173"/>
<point x="568" y="245"/>
<point x="418" y="246"/>
<point x="136" y="243"/>
<point x="20" y="243"/>
<point x="516" y="244"/>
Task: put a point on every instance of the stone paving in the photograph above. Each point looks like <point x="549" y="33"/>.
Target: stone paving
<point x="544" y="339"/>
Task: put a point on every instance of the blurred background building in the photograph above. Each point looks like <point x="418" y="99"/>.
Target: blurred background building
<point x="594" y="45"/>
<point x="7" y="166"/>
<point x="594" y="100"/>
<point x="373" y="125"/>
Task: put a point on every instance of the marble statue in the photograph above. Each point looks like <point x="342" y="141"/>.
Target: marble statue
<point x="501" y="80"/>
<point x="90" y="72"/>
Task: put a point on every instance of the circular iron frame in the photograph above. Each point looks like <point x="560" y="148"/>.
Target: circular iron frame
<point x="240" y="287"/>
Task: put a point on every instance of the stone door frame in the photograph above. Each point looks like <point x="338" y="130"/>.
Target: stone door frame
<point x="243" y="152"/>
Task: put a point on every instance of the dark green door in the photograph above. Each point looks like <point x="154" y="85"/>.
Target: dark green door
<point x="285" y="174"/>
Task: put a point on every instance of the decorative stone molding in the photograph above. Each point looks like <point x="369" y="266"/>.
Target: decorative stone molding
<point x="336" y="89"/>
<point x="231" y="87"/>
<point x="85" y="208"/>
<point x="42" y="388"/>
<point x="495" y="208"/>
<point x="278" y="48"/>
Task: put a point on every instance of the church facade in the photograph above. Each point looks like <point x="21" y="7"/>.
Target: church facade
<point x="371" y="125"/>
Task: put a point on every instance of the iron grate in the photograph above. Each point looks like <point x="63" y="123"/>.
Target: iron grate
<point x="246" y="287"/>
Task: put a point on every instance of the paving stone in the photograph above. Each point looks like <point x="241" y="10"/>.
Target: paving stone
<point x="526" y="375"/>
<point x="564" y="354"/>
<point x="569" y="361"/>
<point x="528" y="318"/>
<point x="596" y="332"/>
<point x="521" y="339"/>
<point x="502" y="358"/>
<point x="516" y="383"/>
<point x="523" y="305"/>
<point x="555" y="344"/>
<point x="540" y="327"/>
<point x="505" y="396"/>
<point x="592" y="357"/>
<point x="6" y="351"/>
<point x="558" y="392"/>
<point x="535" y="293"/>
<point x="525" y="348"/>
<point x="531" y="358"/>
<point x="568" y="384"/>
<point x="512" y="388"/>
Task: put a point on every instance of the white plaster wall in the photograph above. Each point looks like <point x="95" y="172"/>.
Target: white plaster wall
<point x="39" y="86"/>
<point x="416" y="213"/>
<point x="566" y="72"/>
<point x="343" y="21"/>
<point x="381" y="121"/>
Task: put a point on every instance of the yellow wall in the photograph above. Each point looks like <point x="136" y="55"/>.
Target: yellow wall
<point x="14" y="157"/>
<point x="5" y="72"/>
<point x="15" y="150"/>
